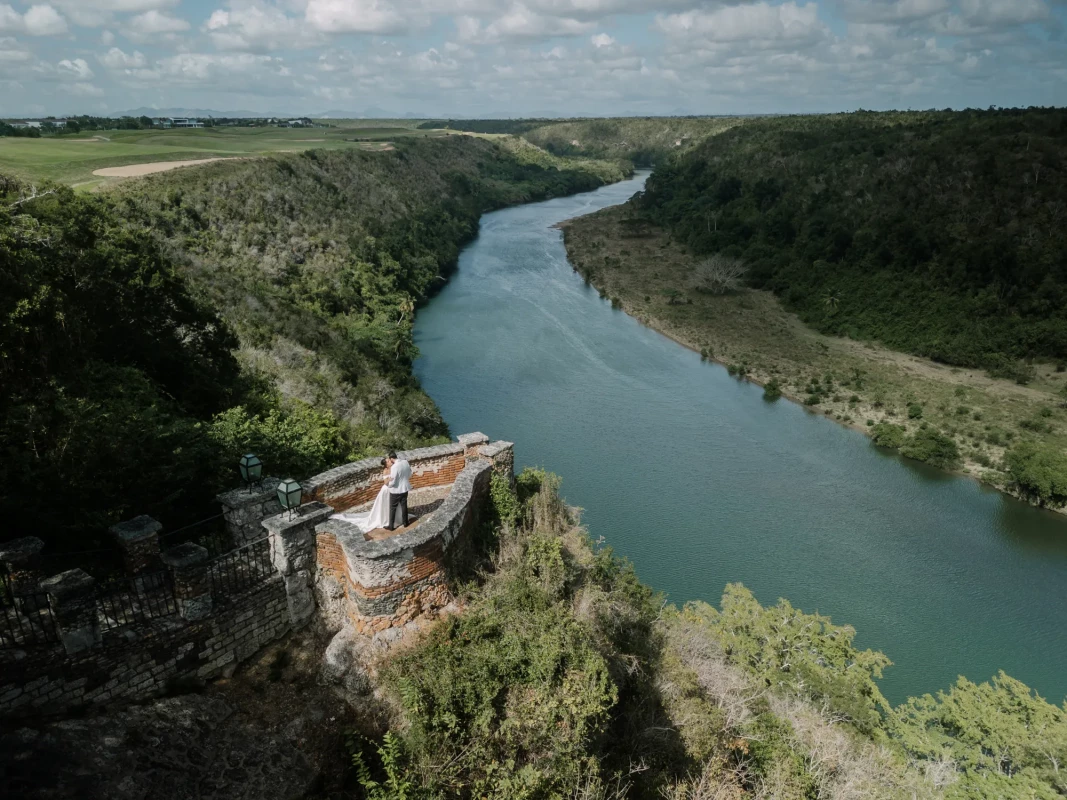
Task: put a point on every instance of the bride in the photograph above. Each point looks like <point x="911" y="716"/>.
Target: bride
<point x="378" y="516"/>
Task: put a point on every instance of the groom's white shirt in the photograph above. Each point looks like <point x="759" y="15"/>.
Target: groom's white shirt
<point x="399" y="477"/>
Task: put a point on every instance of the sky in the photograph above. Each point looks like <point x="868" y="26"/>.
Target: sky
<point x="469" y="58"/>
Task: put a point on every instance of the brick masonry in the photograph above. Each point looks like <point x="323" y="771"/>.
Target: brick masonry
<point x="376" y="585"/>
<point x="137" y="662"/>
<point x="319" y="564"/>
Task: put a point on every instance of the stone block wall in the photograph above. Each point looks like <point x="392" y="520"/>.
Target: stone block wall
<point x="376" y="585"/>
<point x="245" y="510"/>
<point x="137" y="662"/>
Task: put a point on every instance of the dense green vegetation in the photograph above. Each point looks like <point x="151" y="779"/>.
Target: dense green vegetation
<point x="566" y="677"/>
<point x="640" y="140"/>
<point x="150" y="336"/>
<point x="937" y="233"/>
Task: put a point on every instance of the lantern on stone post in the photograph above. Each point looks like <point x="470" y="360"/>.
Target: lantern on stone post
<point x="251" y="469"/>
<point x="289" y="495"/>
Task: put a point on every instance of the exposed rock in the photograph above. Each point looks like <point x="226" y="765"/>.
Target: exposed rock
<point x="195" y="746"/>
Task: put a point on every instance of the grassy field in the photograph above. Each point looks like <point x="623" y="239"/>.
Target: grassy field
<point x="72" y="159"/>
<point x="856" y="383"/>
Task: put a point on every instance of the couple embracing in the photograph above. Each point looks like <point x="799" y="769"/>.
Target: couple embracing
<point x="393" y="496"/>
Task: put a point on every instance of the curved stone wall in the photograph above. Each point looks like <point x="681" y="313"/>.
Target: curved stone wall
<point x="387" y="583"/>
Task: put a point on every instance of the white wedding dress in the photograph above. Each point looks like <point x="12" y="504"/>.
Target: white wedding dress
<point x="367" y="521"/>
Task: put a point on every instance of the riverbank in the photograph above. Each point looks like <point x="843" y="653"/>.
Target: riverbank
<point x="858" y="384"/>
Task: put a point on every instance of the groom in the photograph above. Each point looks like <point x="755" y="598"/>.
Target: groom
<point x="399" y="484"/>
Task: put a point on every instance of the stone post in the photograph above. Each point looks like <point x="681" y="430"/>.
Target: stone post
<point x="472" y="442"/>
<point x="138" y="538"/>
<point x="22" y="561"/>
<point x="188" y="564"/>
<point x="502" y="454"/>
<point x="292" y="549"/>
<point x="244" y="510"/>
<point x="72" y="595"/>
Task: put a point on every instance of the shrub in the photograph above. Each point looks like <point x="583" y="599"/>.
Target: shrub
<point x="1038" y="473"/>
<point x="932" y="447"/>
<point x="915" y="411"/>
<point x="1000" y="366"/>
<point x="812" y="400"/>
<point x="772" y="390"/>
<point x="1035" y="425"/>
<point x="297" y="440"/>
<point x="505" y="500"/>
<point x="886" y="434"/>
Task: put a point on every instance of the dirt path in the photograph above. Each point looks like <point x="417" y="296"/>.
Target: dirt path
<point x="137" y="170"/>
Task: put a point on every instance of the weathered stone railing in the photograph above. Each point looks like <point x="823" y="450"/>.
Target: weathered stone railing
<point x="204" y="627"/>
<point x="388" y="583"/>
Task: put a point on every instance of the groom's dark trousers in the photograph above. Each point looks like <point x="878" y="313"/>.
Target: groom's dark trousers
<point x="398" y="501"/>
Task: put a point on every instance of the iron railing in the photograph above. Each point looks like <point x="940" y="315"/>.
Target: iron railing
<point x="237" y="570"/>
<point x="135" y="599"/>
<point x="25" y="616"/>
<point x="209" y="533"/>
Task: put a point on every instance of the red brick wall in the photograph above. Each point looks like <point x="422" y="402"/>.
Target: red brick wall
<point x="359" y="488"/>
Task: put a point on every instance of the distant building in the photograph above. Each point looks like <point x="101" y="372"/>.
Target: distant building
<point x="183" y="122"/>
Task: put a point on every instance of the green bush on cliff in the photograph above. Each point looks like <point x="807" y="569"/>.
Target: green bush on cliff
<point x="932" y="447"/>
<point x="886" y="434"/>
<point x="1039" y="473"/>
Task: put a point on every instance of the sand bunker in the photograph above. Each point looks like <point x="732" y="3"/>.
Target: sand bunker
<point x="137" y="170"/>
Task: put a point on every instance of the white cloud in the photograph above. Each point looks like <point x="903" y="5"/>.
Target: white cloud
<point x="82" y="90"/>
<point x="788" y="24"/>
<point x="94" y="13"/>
<point x="151" y="24"/>
<point x="107" y="38"/>
<point x="126" y="6"/>
<point x="990" y="13"/>
<point x="892" y="10"/>
<point x="520" y="22"/>
<point x="258" y="28"/>
<point x="13" y="53"/>
<point x="119" y="60"/>
<point x="39" y="20"/>
<point x="354" y="16"/>
<point x="601" y="40"/>
<point x="76" y="69"/>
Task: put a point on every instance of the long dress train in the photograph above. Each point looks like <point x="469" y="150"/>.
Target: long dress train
<point x="377" y="517"/>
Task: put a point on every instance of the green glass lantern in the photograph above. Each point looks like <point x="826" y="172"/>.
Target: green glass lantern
<point x="289" y="494"/>
<point x="251" y="469"/>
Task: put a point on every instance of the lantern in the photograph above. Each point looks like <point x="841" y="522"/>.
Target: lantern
<point x="251" y="469"/>
<point x="289" y="494"/>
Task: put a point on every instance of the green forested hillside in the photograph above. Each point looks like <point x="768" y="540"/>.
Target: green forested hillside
<point x="939" y="233"/>
<point x="640" y="140"/>
<point x="151" y="335"/>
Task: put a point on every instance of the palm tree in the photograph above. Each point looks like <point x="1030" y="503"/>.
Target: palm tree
<point x="831" y="300"/>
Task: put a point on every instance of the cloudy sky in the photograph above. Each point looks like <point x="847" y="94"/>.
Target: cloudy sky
<point x="481" y="57"/>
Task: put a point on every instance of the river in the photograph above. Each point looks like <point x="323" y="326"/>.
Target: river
<point x="691" y="475"/>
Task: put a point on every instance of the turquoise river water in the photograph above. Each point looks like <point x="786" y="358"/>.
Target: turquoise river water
<point x="696" y="479"/>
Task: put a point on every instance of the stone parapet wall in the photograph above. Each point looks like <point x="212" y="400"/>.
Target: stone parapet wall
<point x="137" y="662"/>
<point x="355" y="484"/>
<point x="388" y="583"/>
